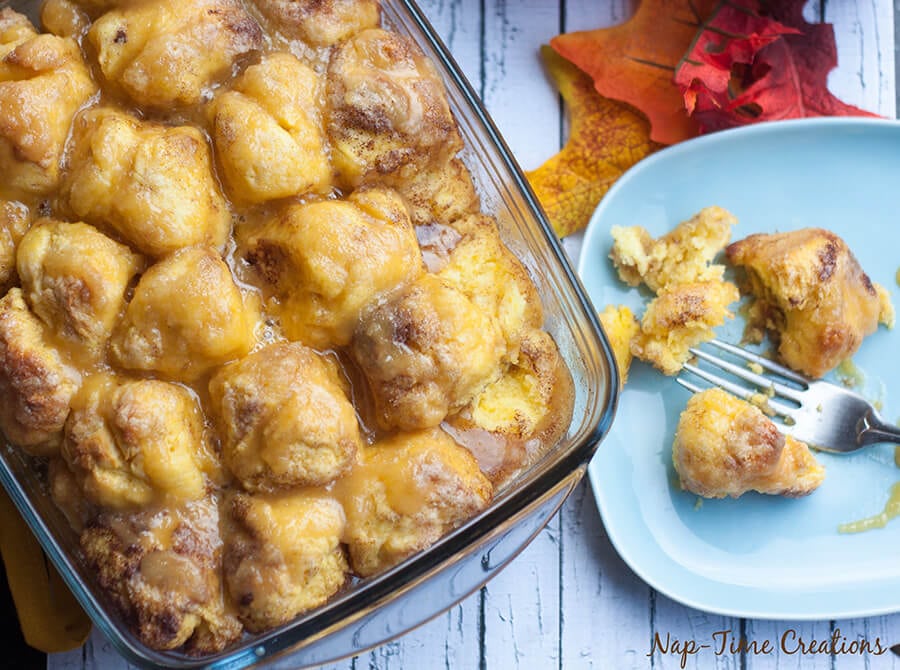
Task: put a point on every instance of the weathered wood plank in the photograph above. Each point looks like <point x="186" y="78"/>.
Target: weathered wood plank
<point x="605" y="607"/>
<point x="524" y="107"/>
<point x="864" y="33"/>
<point x="880" y="633"/>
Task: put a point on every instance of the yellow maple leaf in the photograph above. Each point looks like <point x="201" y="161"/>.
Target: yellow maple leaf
<point x="606" y="138"/>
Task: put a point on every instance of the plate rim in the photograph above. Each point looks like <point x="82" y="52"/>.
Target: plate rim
<point x="632" y="558"/>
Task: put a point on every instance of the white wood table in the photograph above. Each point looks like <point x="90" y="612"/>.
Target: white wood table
<point x="568" y="601"/>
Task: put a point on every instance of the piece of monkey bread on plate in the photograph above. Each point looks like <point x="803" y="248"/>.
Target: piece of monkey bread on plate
<point x="811" y="295"/>
<point x="683" y="255"/>
<point x="725" y="446"/>
<point x="681" y="316"/>
<point x="620" y="326"/>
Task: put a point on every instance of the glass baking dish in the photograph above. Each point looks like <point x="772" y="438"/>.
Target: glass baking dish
<point x="378" y="609"/>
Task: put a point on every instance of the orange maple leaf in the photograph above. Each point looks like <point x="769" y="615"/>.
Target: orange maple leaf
<point x="635" y="61"/>
<point x="606" y="138"/>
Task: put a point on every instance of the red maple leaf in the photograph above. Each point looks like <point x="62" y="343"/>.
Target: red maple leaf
<point x="729" y="38"/>
<point x="759" y="61"/>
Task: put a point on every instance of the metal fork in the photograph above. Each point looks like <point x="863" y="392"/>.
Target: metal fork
<point x="824" y="415"/>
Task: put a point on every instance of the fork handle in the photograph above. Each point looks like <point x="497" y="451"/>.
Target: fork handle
<point x="872" y="429"/>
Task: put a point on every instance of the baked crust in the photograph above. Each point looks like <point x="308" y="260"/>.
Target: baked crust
<point x="404" y="493"/>
<point x="44" y="81"/>
<point x="681" y="316"/>
<point x="285" y="418"/>
<point x="811" y="295"/>
<point x="683" y="255"/>
<point x="36" y="382"/>
<point x="725" y="446"/>
<point x="283" y="555"/>
<point x="388" y="115"/>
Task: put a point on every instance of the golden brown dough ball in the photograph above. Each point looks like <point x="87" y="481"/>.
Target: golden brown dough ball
<point x="426" y="352"/>
<point x="152" y="184"/>
<point x="811" y="295"/>
<point x="320" y="22"/>
<point x="267" y="132"/>
<point x="74" y="278"/>
<point x="161" y="568"/>
<point x="441" y="194"/>
<point x="94" y="8"/>
<point x="325" y="261"/>
<point x="15" y="219"/>
<point x="170" y="52"/>
<point x="683" y="255"/>
<point x="283" y="555"/>
<point x="680" y="317"/>
<point x="725" y="446"/>
<point x="15" y="28"/>
<point x="36" y="384"/>
<point x="132" y="442"/>
<point x="43" y="82"/>
<point x="519" y="416"/>
<point x="284" y="418"/>
<point x="68" y="495"/>
<point x="388" y="115"/>
<point x="620" y="327"/>
<point x="404" y="493"/>
<point x="495" y="281"/>
<point x="186" y="317"/>
<point x="64" y="18"/>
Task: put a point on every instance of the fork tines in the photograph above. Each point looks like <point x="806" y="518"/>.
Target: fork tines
<point x="790" y="388"/>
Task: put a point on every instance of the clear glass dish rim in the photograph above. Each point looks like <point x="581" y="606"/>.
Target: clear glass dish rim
<point x="368" y="595"/>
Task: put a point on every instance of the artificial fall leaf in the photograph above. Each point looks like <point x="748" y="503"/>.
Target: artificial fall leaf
<point x="605" y="139"/>
<point x="635" y="61"/>
<point x="729" y="39"/>
<point x="785" y="78"/>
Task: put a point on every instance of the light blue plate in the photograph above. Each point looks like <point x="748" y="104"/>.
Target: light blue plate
<point x="757" y="556"/>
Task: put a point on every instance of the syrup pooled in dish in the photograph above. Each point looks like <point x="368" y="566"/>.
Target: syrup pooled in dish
<point x="254" y="325"/>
